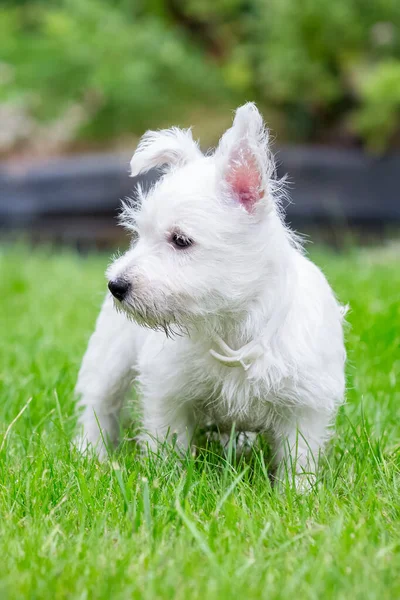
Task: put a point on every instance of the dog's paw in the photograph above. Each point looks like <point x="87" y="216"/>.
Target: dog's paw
<point x="86" y="444"/>
<point x="304" y="483"/>
<point x="301" y="483"/>
<point x="242" y="443"/>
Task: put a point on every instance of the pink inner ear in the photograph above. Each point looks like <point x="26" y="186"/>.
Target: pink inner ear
<point x="244" y="179"/>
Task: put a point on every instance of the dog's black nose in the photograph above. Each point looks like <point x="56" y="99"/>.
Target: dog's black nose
<point x="118" y="288"/>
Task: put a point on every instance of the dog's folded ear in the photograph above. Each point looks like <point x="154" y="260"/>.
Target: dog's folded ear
<point x="166" y="147"/>
<point x="245" y="160"/>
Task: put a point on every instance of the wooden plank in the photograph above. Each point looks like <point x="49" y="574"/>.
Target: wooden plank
<point x="325" y="185"/>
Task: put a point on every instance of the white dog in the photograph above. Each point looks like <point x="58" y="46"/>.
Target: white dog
<point x="228" y="322"/>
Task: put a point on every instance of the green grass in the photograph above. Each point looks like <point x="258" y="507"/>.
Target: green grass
<point x="140" y="528"/>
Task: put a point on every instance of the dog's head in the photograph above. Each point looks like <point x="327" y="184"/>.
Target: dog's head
<point x="208" y="233"/>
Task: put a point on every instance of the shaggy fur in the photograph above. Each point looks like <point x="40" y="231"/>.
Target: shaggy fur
<point x="239" y="327"/>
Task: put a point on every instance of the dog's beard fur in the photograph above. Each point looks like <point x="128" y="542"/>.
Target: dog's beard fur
<point x="173" y="324"/>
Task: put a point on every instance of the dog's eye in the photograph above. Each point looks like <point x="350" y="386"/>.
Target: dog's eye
<point x="181" y="241"/>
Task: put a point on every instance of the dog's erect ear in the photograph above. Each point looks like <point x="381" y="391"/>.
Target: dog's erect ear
<point x="245" y="160"/>
<point x="166" y="147"/>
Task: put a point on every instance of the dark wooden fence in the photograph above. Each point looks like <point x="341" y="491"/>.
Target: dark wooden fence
<point x="76" y="199"/>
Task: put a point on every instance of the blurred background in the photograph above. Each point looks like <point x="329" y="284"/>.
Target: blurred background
<point x="81" y="80"/>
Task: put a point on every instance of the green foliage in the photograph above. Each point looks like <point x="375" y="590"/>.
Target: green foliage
<point x="378" y="117"/>
<point x="322" y="70"/>
<point x="307" y="62"/>
<point x="123" y="68"/>
<point x="310" y="57"/>
<point x="136" y="527"/>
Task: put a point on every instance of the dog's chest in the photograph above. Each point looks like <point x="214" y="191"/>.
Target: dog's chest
<point x="230" y="395"/>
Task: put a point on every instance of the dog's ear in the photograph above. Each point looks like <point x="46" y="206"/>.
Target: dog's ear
<point x="245" y="159"/>
<point x="166" y="147"/>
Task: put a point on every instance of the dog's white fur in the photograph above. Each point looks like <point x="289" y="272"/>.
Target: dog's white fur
<point x="260" y="336"/>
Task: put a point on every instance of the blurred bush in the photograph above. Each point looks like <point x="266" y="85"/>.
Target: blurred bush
<point x="323" y="70"/>
<point x="94" y="69"/>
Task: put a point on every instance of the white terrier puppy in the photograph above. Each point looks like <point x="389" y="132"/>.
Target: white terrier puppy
<point x="260" y="342"/>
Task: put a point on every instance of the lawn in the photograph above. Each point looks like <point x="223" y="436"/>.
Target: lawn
<point x="140" y="528"/>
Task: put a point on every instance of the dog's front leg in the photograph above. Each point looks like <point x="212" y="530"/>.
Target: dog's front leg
<point x="297" y="441"/>
<point x="167" y="422"/>
<point x="104" y="378"/>
<point x="168" y="416"/>
<point x="167" y="394"/>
